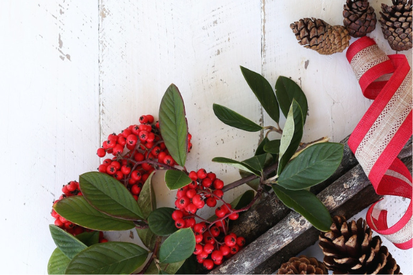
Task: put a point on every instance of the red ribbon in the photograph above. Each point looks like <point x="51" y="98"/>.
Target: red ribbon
<point x="383" y="131"/>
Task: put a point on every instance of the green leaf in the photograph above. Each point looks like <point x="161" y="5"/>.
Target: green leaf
<point x="66" y="242"/>
<point x="77" y="210"/>
<point x="176" y="179"/>
<point x="109" y="196"/>
<point x="291" y="137"/>
<point x="147" y="237"/>
<point x="237" y="164"/>
<point x="306" y="204"/>
<point x="287" y="90"/>
<point x="147" y="199"/>
<point x="58" y="262"/>
<point x="88" y="238"/>
<point x="272" y="147"/>
<point x="177" y="247"/>
<point x="314" y="165"/>
<point x="243" y="200"/>
<point x="161" y="222"/>
<point x="264" y="92"/>
<point x="233" y="119"/>
<point x="258" y="162"/>
<point x="173" y="124"/>
<point x="260" y="148"/>
<point x="108" y="258"/>
<point x="254" y="184"/>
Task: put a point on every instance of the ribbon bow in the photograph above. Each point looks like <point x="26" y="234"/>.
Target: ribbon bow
<point x="383" y="131"/>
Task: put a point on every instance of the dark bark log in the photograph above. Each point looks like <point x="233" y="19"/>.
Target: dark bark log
<point x="346" y="196"/>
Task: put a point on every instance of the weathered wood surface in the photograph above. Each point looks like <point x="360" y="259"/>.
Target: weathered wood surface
<point x="346" y="196"/>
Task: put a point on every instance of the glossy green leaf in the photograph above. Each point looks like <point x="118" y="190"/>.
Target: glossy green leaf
<point x="66" y="242"/>
<point x="58" y="262"/>
<point x="173" y="124"/>
<point x="287" y="90"/>
<point x="147" y="198"/>
<point x="233" y="119"/>
<point x="177" y="247"/>
<point x="243" y="200"/>
<point x="258" y="162"/>
<point x="314" y="165"/>
<point x="260" y="148"/>
<point x="176" y="179"/>
<point x="161" y="222"/>
<point x="77" y="210"/>
<point x="88" y="238"/>
<point x="263" y="91"/>
<point x="254" y="183"/>
<point x="272" y="147"/>
<point x="291" y="137"/>
<point x="306" y="204"/>
<point x="237" y="164"/>
<point x="108" y="258"/>
<point x="147" y="237"/>
<point x="109" y="196"/>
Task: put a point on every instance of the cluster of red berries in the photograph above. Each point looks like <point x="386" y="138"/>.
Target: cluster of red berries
<point x="136" y="152"/>
<point x="213" y="241"/>
<point x="69" y="190"/>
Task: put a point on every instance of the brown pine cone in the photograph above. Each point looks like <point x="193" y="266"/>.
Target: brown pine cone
<point x="318" y="35"/>
<point x="359" y="17"/>
<point x="302" y="265"/>
<point x="349" y="248"/>
<point x="396" y="24"/>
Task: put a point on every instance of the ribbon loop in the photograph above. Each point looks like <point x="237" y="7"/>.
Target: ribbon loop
<point x="382" y="132"/>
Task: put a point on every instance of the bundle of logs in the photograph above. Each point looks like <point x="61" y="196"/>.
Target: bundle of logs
<point x="274" y="233"/>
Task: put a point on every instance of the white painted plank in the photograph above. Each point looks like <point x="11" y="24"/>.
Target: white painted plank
<point x="49" y="122"/>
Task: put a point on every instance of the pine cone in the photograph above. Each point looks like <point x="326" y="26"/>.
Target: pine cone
<point x="302" y="265"/>
<point x="318" y="35"/>
<point x="396" y="24"/>
<point x="359" y="17"/>
<point x="349" y="248"/>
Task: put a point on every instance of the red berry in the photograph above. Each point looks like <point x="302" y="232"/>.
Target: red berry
<point x="72" y="186"/>
<point x="220" y="212"/>
<point x="143" y="119"/>
<point x="138" y="156"/>
<point x="156" y="150"/>
<point x="191" y="208"/>
<point x="234" y="249"/>
<point x="121" y="140"/>
<point x="125" y="169"/>
<point x="211" y="202"/>
<point x="143" y="135"/>
<point x="201" y="173"/>
<point x="117" y="150"/>
<point x="111" y="170"/>
<point x="180" y="223"/>
<point x="150" y="118"/>
<point x="181" y="193"/>
<point x="208" y="264"/>
<point x="135" y="189"/>
<point x="217" y="256"/>
<point x="218" y="193"/>
<point x="190" y="222"/>
<point x="118" y="175"/>
<point x="191" y="193"/>
<point x="225" y="250"/>
<point x="58" y="223"/>
<point x="102" y="168"/>
<point x="208" y="238"/>
<point x="168" y="160"/>
<point x="208" y="248"/>
<point x="207" y="182"/>
<point x="233" y="216"/>
<point x="212" y="176"/>
<point x="230" y="240"/>
<point x="193" y="175"/>
<point x="177" y="214"/>
<point x="193" y="184"/>
<point x="215" y="231"/>
<point x="183" y="202"/>
<point x="218" y="184"/>
<point x="198" y="237"/>
<point x="101" y="152"/>
<point x="240" y="241"/>
<point x="200" y="227"/>
<point x="103" y="241"/>
<point x="136" y="175"/>
<point x="198" y="249"/>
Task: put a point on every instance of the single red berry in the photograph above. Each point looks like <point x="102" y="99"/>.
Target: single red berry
<point x="107" y="161"/>
<point x="136" y="175"/>
<point x="150" y="118"/>
<point x="201" y="173"/>
<point x="125" y="169"/>
<point x="71" y="186"/>
<point x="54" y="214"/>
<point x="208" y="264"/>
<point x="118" y="175"/>
<point x="199" y="257"/>
<point x="181" y="193"/>
<point x="218" y="184"/>
<point x="211" y="202"/>
<point x="219" y="193"/>
<point x="208" y="238"/>
<point x="58" y="223"/>
<point x="198" y="249"/>
<point x="207" y="182"/>
<point x="121" y="140"/>
<point x="193" y="175"/>
<point x="65" y="190"/>
<point x="199" y="203"/>
<point x="215" y="231"/>
<point x="168" y="160"/>
<point x="198" y="237"/>
<point x="220" y="212"/>
<point x="233" y="216"/>
<point x="143" y="135"/>
<point x="143" y="119"/>
<point x="217" y="256"/>
<point x="156" y="151"/>
<point x="135" y="189"/>
<point x="234" y="249"/>
<point x="191" y="193"/>
<point x="240" y="241"/>
<point x="125" y="133"/>
<point x="146" y="166"/>
<point x="102" y="168"/>
<point x="208" y="248"/>
<point x="190" y="222"/>
<point x="151" y="138"/>
<point x="230" y="240"/>
<point x="161" y="157"/>
<point x="138" y="156"/>
<point x="101" y="152"/>
<point x="183" y="202"/>
<point x="200" y="227"/>
<point x="225" y="250"/>
<point x="116" y="164"/>
<point x="78" y="230"/>
<point x="180" y="223"/>
<point x="177" y="214"/>
<point x="212" y="176"/>
<point x="191" y="208"/>
<point x="193" y="184"/>
<point x="117" y="150"/>
<point x="112" y="137"/>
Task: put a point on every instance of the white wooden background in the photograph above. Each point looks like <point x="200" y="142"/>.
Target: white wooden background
<point x="73" y="72"/>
